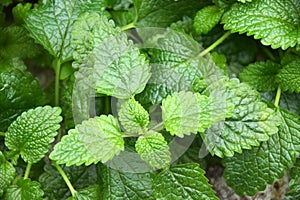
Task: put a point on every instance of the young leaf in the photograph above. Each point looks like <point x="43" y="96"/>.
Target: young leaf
<point x="32" y="133"/>
<point x="24" y="189"/>
<point x="7" y="173"/>
<point x="19" y="91"/>
<point x="162" y="13"/>
<point x="154" y="149"/>
<point x="119" y="69"/>
<point x="181" y="113"/>
<point x="267" y="162"/>
<point x="90" y="30"/>
<point x="206" y="19"/>
<point x="183" y="182"/>
<point x="51" y="24"/>
<point x="90" y="193"/>
<point x="289" y="77"/>
<point x="133" y="116"/>
<point x="102" y="137"/>
<point x="251" y="122"/>
<point x="261" y="75"/>
<point x="72" y="151"/>
<point x="118" y="185"/>
<point x="275" y="22"/>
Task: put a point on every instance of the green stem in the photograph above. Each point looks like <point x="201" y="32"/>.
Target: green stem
<point x="64" y="176"/>
<point x="158" y="126"/>
<point x="2" y="134"/>
<point x="277" y="98"/>
<point x="107" y="105"/>
<point x="215" y="44"/>
<point x="57" y="75"/>
<point x="128" y="26"/>
<point x="27" y="171"/>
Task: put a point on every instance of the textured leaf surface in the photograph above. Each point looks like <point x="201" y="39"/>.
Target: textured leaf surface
<point x="7" y="173"/>
<point x="90" y="193"/>
<point x="152" y="13"/>
<point x="72" y="151"/>
<point x="90" y="30"/>
<point x="183" y="182"/>
<point x="24" y="189"/>
<point x="119" y="68"/>
<point x="51" y="24"/>
<point x="261" y="75"/>
<point x="276" y="22"/>
<point x="294" y="187"/>
<point x="13" y="100"/>
<point x="252" y="170"/>
<point x="133" y="116"/>
<point x="154" y="149"/>
<point x="33" y="132"/>
<point x="55" y="187"/>
<point x="206" y="19"/>
<point x="251" y="122"/>
<point x="289" y="77"/>
<point x="102" y="137"/>
<point x="118" y="185"/>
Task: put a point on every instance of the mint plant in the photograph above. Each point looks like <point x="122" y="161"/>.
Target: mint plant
<point x="141" y="96"/>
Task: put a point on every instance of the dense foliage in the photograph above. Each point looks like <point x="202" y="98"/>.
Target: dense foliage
<point x="132" y="99"/>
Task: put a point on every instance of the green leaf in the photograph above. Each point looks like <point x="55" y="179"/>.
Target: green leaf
<point x="162" y="13"/>
<point x="55" y="187"/>
<point x="32" y="133"/>
<point x="118" y="185"/>
<point x="183" y="182"/>
<point x="24" y="189"/>
<point x="261" y="75"/>
<point x="289" y="77"/>
<point x="207" y="18"/>
<point x="13" y="100"/>
<point x="90" y="193"/>
<point x="21" y="11"/>
<point x="102" y="137"/>
<point x="7" y="173"/>
<point x="251" y="122"/>
<point x="275" y="22"/>
<point x="51" y="24"/>
<point x="72" y="151"/>
<point x="181" y="113"/>
<point x="133" y="116"/>
<point x="153" y="149"/>
<point x="267" y="162"/>
<point x="89" y="31"/>
<point x="294" y="189"/>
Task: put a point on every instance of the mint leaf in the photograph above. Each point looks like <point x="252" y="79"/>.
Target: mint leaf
<point x="181" y="113"/>
<point x="162" y="13"/>
<point x="90" y="30"/>
<point x="261" y="75"/>
<point x="90" y="193"/>
<point x="118" y="185"/>
<point x="71" y="150"/>
<point x="294" y="189"/>
<point x="206" y="19"/>
<point x="13" y="100"/>
<point x="32" y="133"/>
<point x="267" y="162"/>
<point x="289" y="77"/>
<point x="51" y="24"/>
<point x="119" y="69"/>
<point x="102" y="137"/>
<point x="7" y="173"/>
<point x="55" y="187"/>
<point x="153" y="149"/>
<point x="24" y="189"/>
<point x="133" y="116"/>
<point x="275" y="22"/>
<point x="183" y="182"/>
<point x="251" y="122"/>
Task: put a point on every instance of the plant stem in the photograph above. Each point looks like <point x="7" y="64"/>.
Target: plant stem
<point x="107" y="105"/>
<point x="64" y="176"/>
<point x="215" y="44"/>
<point x="157" y="126"/>
<point x="128" y="26"/>
<point x="57" y="75"/>
<point x="277" y="98"/>
<point x="2" y="134"/>
<point x="27" y="171"/>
